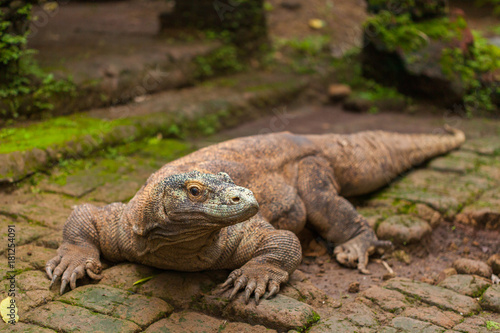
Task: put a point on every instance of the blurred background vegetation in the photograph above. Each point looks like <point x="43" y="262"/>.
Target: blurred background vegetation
<point x="394" y="51"/>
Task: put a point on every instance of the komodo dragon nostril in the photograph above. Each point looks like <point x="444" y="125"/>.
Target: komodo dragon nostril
<point x="235" y="199"/>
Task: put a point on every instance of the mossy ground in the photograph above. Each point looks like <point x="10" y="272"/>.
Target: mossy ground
<point x="56" y="131"/>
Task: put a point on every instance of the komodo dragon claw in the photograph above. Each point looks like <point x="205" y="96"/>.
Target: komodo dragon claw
<point x="355" y="252"/>
<point x="256" y="279"/>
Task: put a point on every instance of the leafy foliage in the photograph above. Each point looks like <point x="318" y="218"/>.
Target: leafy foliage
<point x="24" y="88"/>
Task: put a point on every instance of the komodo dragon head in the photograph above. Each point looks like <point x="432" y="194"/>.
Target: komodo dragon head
<point x="181" y="205"/>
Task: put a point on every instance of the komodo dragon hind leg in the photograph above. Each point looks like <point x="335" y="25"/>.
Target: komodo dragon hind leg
<point x="333" y="217"/>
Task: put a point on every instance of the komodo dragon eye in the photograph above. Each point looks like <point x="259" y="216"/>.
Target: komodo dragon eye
<point x="194" y="191"/>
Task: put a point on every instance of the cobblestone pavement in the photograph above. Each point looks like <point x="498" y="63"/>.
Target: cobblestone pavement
<point x="461" y="186"/>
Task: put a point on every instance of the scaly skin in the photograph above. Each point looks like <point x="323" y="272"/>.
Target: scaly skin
<point x="295" y="179"/>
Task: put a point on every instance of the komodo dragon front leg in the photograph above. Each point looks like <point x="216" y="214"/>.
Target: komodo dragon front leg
<point x="187" y="222"/>
<point x="333" y="217"/>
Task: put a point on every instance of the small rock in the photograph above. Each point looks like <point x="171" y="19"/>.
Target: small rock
<point x="427" y="280"/>
<point x="353" y="287"/>
<point x="446" y="273"/>
<point x="470" y="266"/>
<point x="338" y="92"/>
<point x="494" y="262"/>
<point x="291" y="5"/>
<point x="402" y="256"/>
<point x="388" y="276"/>
<point x="491" y="298"/>
<point x="403" y="229"/>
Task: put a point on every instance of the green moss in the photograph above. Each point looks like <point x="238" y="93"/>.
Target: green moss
<point x="401" y="32"/>
<point x="223" y="60"/>
<point x="311" y="320"/>
<point x="52" y="132"/>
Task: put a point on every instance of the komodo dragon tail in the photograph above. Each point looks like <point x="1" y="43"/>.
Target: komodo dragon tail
<point x="366" y="161"/>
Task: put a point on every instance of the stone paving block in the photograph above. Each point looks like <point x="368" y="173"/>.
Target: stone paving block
<point x="187" y="322"/>
<point x="491" y="172"/>
<point x="245" y="328"/>
<point x="444" y="192"/>
<point x="389" y="300"/>
<point x="444" y="204"/>
<point x="472" y="266"/>
<point x="483" y="146"/>
<point x="416" y="326"/>
<point x="46" y="209"/>
<point x="483" y="212"/>
<point x="299" y="287"/>
<point x="491" y="298"/>
<point x="139" y="309"/>
<point x="474" y="324"/>
<point x="362" y="315"/>
<point x="403" y="229"/>
<point x="124" y="275"/>
<point x="78" y="183"/>
<point x="469" y="285"/>
<point x="24" y="328"/>
<point x="36" y="256"/>
<point x="24" y="232"/>
<point x="121" y="190"/>
<point x="280" y="312"/>
<point x="68" y="318"/>
<point x="456" y="161"/>
<point x="177" y="288"/>
<point x="446" y="319"/>
<point x="434" y="295"/>
<point x="334" y="324"/>
<point x="32" y="290"/>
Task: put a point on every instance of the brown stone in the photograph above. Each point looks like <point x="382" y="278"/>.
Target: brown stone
<point x="353" y="287"/>
<point x="412" y="325"/>
<point x="118" y="303"/>
<point x="338" y="92"/>
<point x="434" y="295"/>
<point x="336" y="324"/>
<point x="445" y="273"/>
<point x="470" y="266"/>
<point x="470" y="285"/>
<point x="124" y="275"/>
<point x="403" y="229"/>
<point x="22" y="327"/>
<point x="279" y="312"/>
<point x="491" y="298"/>
<point x="494" y="262"/>
<point x="57" y="315"/>
<point x="177" y="288"/>
<point x="389" y="300"/>
<point x="433" y="315"/>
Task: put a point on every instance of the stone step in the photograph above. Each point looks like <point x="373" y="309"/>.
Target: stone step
<point x="200" y="110"/>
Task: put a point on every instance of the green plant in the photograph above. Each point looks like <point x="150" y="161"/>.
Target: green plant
<point x="484" y="58"/>
<point x="401" y="32"/>
<point x="221" y="61"/>
<point x="492" y="325"/>
<point x="24" y="88"/>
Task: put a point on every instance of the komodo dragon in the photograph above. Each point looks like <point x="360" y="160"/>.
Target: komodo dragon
<point x="191" y="216"/>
